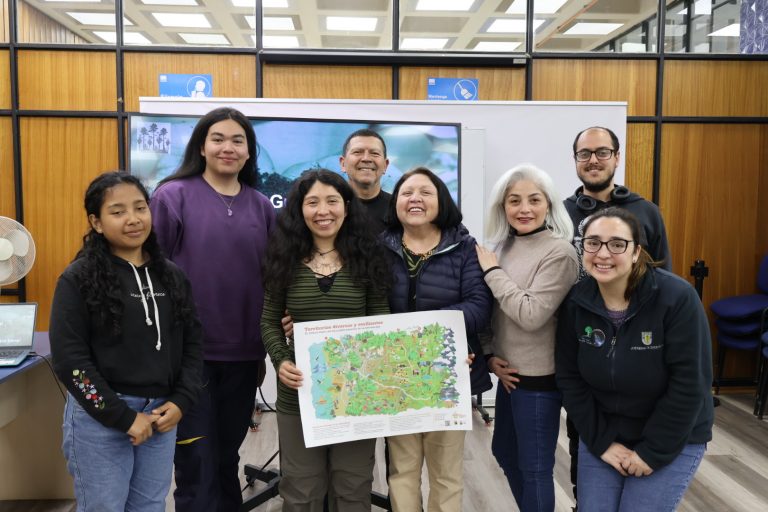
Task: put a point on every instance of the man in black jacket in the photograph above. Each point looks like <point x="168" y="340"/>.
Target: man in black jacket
<point x="364" y="161"/>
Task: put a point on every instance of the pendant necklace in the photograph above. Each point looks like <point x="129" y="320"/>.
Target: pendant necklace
<point x="228" y="205"/>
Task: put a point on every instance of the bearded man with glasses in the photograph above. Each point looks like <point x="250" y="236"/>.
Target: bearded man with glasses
<point x="596" y="153"/>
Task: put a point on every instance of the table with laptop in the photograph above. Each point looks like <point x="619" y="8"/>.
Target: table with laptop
<point x="31" y="407"/>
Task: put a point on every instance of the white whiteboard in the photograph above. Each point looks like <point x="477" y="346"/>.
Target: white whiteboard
<point x="496" y="135"/>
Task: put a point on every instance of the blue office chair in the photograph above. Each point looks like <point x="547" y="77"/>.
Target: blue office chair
<point x="739" y="321"/>
<point x="745" y="306"/>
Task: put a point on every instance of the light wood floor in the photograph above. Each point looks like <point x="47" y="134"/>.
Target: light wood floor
<point x="733" y="476"/>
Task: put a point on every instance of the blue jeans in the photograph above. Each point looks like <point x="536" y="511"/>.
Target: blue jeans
<point x="603" y="488"/>
<point x="524" y="443"/>
<point x="110" y="474"/>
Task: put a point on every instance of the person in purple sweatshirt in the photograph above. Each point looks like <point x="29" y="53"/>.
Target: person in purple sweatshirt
<point x="213" y="224"/>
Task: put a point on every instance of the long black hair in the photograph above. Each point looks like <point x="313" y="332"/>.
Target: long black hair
<point x="193" y="163"/>
<point x="291" y="242"/>
<point x="98" y="281"/>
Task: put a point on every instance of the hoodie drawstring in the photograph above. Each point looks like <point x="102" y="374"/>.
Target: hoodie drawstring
<point x="147" y="319"/>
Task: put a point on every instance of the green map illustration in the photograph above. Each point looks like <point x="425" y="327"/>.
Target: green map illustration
<point x="384" y="373"/>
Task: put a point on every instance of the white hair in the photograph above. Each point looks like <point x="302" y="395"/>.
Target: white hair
<point x="557" y="220"/>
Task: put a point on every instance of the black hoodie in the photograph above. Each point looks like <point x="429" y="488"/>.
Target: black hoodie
<point x="153" y="356"/>
<point x="646" y="212"/>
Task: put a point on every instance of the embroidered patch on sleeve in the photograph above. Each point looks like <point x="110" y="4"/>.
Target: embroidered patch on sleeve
<point x="86" y="387"/>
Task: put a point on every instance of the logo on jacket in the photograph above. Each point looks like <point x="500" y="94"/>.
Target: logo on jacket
<point x="594" y="337"/>
<point x="646" y="337"/>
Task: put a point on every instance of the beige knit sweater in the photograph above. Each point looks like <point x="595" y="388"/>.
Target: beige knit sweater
<point x="537" y="271"/>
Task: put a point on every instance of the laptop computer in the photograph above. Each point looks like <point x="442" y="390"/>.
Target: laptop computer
<point x="17" y="328"/>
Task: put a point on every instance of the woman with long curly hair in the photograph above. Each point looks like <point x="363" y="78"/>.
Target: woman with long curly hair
<point x="126" y="344"/>
<point x="322" y="263"/>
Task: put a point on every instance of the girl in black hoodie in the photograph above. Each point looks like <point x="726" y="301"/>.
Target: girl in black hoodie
<point x="126" y="344"/>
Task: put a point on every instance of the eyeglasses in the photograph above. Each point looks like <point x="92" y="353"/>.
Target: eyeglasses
<point x="614" y="245"/>
<point x="601" y="153"/>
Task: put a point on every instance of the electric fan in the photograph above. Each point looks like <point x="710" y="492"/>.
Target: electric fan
<point x="17" y="251"/>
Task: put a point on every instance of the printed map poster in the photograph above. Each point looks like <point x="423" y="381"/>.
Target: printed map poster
<point x="383" y="375"/>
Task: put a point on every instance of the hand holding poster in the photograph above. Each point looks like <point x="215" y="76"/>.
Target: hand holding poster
<point x="383" y="375"/>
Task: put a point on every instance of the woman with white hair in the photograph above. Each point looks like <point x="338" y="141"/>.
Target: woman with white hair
<point x="530" y="270"/>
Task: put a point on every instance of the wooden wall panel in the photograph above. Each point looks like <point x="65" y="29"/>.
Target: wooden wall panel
<point x="761" y="235"/>
<point x="494" y="84"/>
<point x="60" y="157"/>
<point x="638" y="163"/>
<point x="67" y="80"/>
<point x="710" y="192"/>
<point x="715" y="88"/>
<point x="35" y="26"/>
<point x="233" y="76"/>
<point x="329" y="82"/>
<point x="5" y="80"/>
<point x="633" y="81"/>
<point x="7" y="191"/>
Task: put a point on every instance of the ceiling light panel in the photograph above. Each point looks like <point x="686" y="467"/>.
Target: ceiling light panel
<point x="351" y="23"/>
<point x="280" y="41"/>
<point x="206" y="39"/>
<point x="633" y="48"/>
<point x="508" y="26"/>
<point x="444" y="5"/>
<point x="592" y="29"/>
<point x="97" y="18"/>
<point x="128" y="37"/>
<point x="728" y="31"/>
<point x="272" y="22"/>
<point x="539" y="6"/>
<point x="423" y="43"/>
<point x="185" y="20"/>
<point x="496" y="46"/>
<point x="169" y="2"/>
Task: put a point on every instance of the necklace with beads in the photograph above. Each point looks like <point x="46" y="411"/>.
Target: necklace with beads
<point x="414" y="260"/>
<point x="322" y="265"/>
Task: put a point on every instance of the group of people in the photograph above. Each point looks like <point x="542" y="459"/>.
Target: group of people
<point x="161" y="325"/>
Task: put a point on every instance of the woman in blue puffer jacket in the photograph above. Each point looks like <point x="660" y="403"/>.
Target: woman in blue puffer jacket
<point x="435" y="267"/>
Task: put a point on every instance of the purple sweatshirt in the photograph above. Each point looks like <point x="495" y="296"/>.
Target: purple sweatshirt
<point x="222" y="257"/>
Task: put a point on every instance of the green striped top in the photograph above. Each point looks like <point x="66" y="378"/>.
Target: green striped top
<point x="306" y="302"/>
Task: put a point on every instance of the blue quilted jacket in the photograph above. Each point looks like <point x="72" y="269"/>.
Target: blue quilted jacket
<point x="450" y="279"/>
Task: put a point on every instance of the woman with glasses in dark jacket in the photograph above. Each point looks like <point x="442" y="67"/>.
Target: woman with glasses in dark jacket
<point x="634" y="366"/>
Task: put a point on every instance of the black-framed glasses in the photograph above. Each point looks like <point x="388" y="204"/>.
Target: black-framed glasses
<point x="584" y="155"/>
<point x="614" y="245"/>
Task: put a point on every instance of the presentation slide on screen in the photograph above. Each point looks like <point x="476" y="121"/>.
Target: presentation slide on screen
<point x="286" y="147"/>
